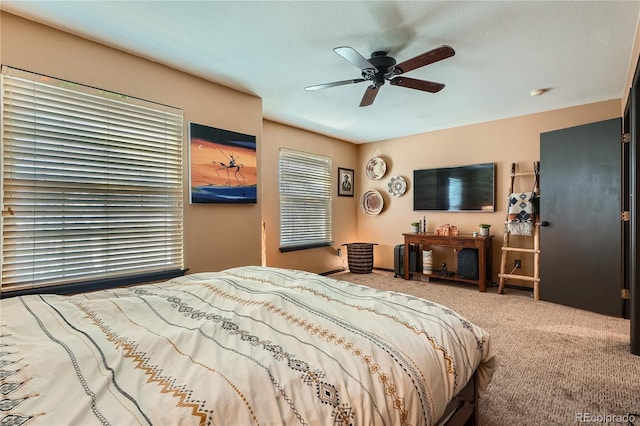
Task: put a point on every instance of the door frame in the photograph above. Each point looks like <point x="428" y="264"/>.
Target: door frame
<point x="634" y="205"/>
<point x="625" y="206"/>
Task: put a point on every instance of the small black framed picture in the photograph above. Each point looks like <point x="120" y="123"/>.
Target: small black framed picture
<point x="345" y="182"/>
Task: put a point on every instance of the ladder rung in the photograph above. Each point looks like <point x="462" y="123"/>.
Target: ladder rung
<point x="519" y="277"/>
<point x="530" y="173"/>
<point x="520" y="249"/>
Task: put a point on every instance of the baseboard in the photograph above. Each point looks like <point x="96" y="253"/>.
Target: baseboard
<point x="489" y="284"/>
<point x="518" y="287"/>
<point x="335" y="271"/>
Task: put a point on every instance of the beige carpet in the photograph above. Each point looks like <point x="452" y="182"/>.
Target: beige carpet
<point x="556" y="365"/>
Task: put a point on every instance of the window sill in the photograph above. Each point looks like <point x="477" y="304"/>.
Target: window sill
<point x="304" y="247"/>
<point x="82" y="287"/>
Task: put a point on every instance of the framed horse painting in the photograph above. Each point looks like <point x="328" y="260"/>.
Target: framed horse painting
<point x="222" y="166"/>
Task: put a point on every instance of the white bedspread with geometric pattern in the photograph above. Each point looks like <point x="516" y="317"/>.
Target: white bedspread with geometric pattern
<point x="245" y="346"/>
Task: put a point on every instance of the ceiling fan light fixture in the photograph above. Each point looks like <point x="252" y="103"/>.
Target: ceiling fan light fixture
<point x="369" y="73"/>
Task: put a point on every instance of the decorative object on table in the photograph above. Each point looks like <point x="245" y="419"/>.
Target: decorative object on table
<point x="345" y="182"/>
<point x="444" y="271"/>
<point x="521" y="213"/>
<point x="415" y="226"/>
<point x="427" y="262"/>
<point x="484" y="229"/>
<point x="222" y="166"/>
<point x="474" y="234"/>
<point x="360" y="257"/>
<point x="371" y="202"/>
<point x="376" y="168"/>
<point x="397" y="186"/>
<point x="424" y="224"/>
<point x="448" y="230"/>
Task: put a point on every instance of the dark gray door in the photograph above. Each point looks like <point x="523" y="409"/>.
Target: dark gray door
<point x="580" y="202"/>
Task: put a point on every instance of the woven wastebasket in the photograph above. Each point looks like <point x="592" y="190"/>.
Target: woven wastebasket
<point x="360" y="257"/>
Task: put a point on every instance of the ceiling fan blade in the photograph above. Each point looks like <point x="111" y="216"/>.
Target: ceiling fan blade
<point x="412" y="83"/>
<point x="369" y="95"/>
<point x="334" y="84"/>
<point x="435" y="55"/>
<point x="350" y="54"/>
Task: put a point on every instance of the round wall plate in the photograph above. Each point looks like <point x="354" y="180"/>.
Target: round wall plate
<point x="371" y="202"/>
<point x="397" y="186"/>
<point x="376" y="168"/>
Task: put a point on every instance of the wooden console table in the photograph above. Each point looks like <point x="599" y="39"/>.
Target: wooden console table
<point x="482" y="244"/>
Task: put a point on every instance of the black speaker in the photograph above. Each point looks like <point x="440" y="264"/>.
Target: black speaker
<point x="468" y="263"/>
<point x="398" y="260"/>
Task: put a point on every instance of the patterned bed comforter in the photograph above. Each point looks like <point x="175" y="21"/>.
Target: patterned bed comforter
<point x="244" y="346"/>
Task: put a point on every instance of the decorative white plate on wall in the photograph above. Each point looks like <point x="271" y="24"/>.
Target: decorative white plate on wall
<point x="397" y="186"/>
<point x="376" y="168"/>
<point x="371" y="202"/>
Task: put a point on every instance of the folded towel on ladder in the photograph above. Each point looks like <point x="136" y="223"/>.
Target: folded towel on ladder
<point x="521" y="213"/>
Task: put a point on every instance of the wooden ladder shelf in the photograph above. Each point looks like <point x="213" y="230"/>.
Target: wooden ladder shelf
<point x="506" y="248"/>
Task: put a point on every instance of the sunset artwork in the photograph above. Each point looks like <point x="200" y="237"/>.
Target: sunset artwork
<point x="223" y="166"/>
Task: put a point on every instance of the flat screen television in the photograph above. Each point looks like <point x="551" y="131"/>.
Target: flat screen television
<point x="468" y="188"/>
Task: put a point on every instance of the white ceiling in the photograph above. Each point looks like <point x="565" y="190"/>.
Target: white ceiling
<point x="579" y="50"/>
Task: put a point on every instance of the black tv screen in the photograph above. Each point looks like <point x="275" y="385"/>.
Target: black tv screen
<point x="458" y="189"/>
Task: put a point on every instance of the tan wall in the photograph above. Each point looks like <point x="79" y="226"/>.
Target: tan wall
<point x="344" y="209"/>
<point x="221" y="236"/>
<point x="216" y="236"/>
<point x="515" y="140"/>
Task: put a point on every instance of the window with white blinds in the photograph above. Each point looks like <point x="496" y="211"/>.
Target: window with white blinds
<point x="91" y="184"/>
<point x="305" y="200"/>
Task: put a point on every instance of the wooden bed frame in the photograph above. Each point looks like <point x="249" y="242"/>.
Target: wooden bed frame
<point x="463" y="408"/>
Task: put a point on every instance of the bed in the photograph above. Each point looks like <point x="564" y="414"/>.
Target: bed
<point x="244" y="346"/>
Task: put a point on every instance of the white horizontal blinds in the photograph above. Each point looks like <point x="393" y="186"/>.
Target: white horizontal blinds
<point x="92" y="184"/>
<point x="305" y="199"/>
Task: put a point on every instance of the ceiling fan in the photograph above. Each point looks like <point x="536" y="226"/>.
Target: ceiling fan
<point x="380" y="68"/>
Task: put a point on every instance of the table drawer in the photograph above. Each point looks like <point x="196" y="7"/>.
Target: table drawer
<point x="462" y="243"/>
<point x="446" y="241"/>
